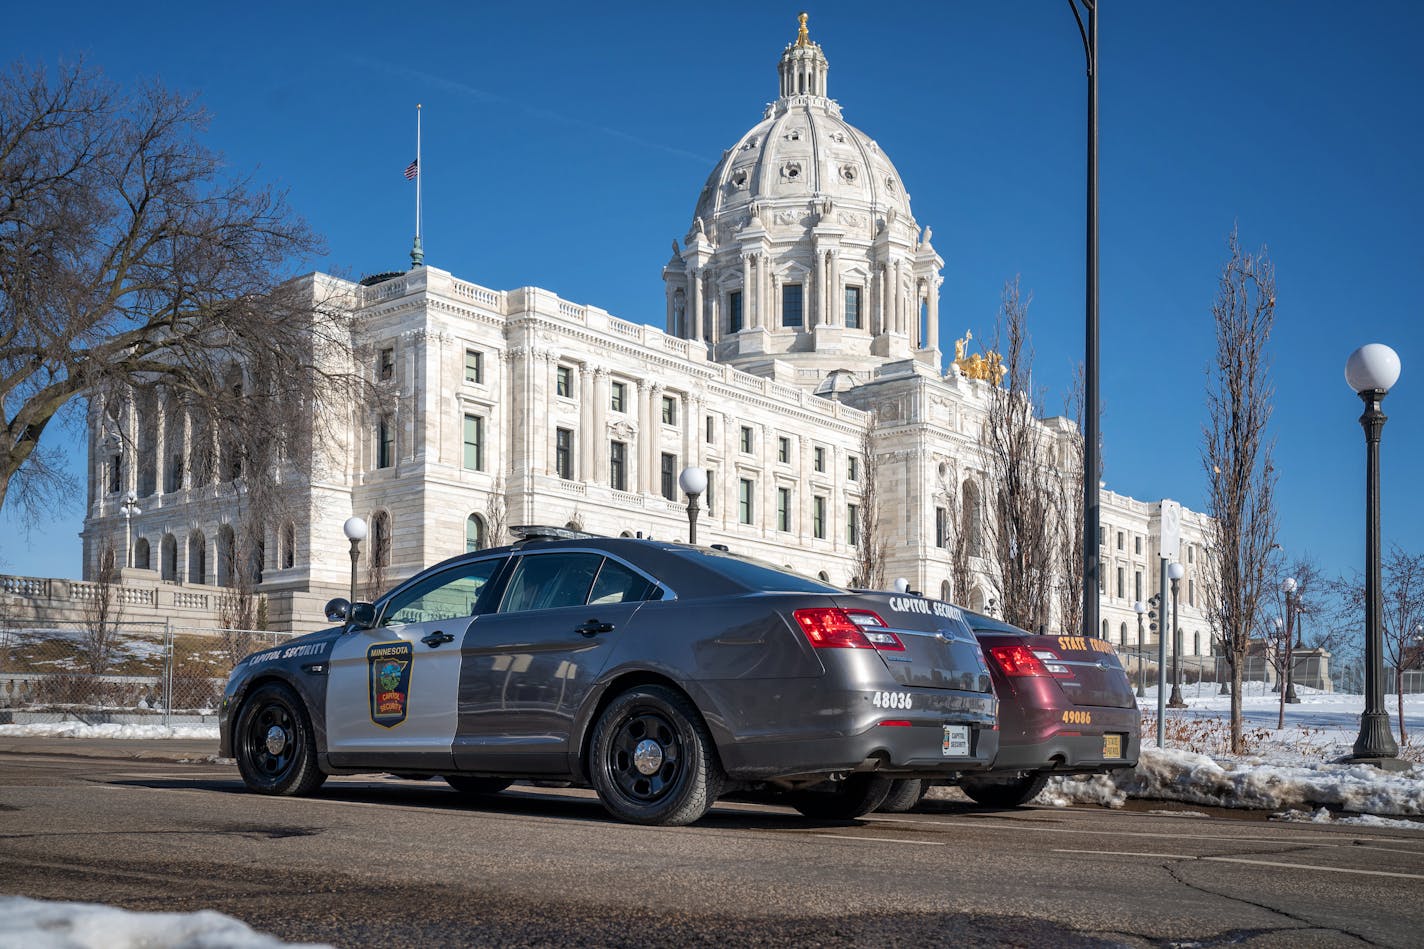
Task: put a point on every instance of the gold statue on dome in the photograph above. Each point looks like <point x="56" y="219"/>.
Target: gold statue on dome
<point x="803" y="35"/>
<point x="984" y="368"/>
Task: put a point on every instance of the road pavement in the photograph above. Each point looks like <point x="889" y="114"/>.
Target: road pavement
<point x="378" y="859"/>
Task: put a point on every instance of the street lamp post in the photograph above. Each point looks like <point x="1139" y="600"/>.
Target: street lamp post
<point x="128" y="509"/>
<point x="1370" y="371"/>
<point x="1091" y="496"/>
<point x="1292" y="617"/>
<point x="1175" y="571"/>
<point x="1140" y="608"/>
<point x="355" y="531"/>
<point x="693" y="482"/>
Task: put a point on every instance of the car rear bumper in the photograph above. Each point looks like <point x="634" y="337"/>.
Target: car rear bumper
<point x="915" y="750"/>
<point x="1073" y="748"/>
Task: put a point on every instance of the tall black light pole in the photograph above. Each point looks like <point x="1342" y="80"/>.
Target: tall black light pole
<point x="1371" y="370"/>
<point x="693" y="482"/>
<point x="355" y="531"/>
<point x="1139" y="608"/>
<point x="1292" y="617"/>
<point x="1091" y="464"/>
<point x="1174" y="574"/>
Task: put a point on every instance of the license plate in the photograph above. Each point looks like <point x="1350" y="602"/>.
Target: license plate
<point x="956" y="741"/>
<point x="1112" y="746"/>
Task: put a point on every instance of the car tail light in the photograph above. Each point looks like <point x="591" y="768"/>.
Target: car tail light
<point x="1018" y="661"/>
<point x="876" y="630"/>
<point x="831" y="628"/>
<point x="1053" y="664"/>
<point x="895" y="722"/>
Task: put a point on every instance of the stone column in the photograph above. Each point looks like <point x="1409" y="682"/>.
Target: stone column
<point x="641" y="482"/>
<point x="694" y="303"/>
<point x="768" y="303"/>
<point x="748" y="318"/>
<point x="160" y="439"/>
<point x="882" y="299"/>
<point x="586" y="423"/>
<point x="600" y="425"/>
<point x="835" y="296"/>
<point x="933" y="283"/>
<point x="815" y="303"/>
<point x="691" y="408"/>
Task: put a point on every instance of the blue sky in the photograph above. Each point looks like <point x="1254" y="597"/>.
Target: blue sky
<point x="565" y="145"/>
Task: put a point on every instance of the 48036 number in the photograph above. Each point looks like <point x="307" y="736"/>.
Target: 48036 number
<point x="901" y="700"/>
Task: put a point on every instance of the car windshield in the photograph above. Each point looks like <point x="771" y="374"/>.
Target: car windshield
<point x="753" y="574"/>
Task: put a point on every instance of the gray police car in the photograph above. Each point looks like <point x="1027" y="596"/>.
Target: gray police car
<point x="660" y="674"/>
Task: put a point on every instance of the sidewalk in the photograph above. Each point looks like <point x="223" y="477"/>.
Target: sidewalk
<point x="146" y="749"/>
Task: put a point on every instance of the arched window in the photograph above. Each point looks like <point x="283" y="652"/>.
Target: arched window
<point x="197" y="558"/>
<point x="140" y="554"/>
<point x="971" y="517"/>
<point x="257" y="562"/>
<point x="976" y="600"/>
<point x="168" y="557"/>
<point x="227" y="555"/>
<point x="944" y="590"/>
<point x="824" y="577"/>
<point x="381" y="539"/>
<point x="1106" y="627"/>
<point x="1122" y="634"/>
<point x="679" y="314"/>
<point x="474" y="533"/>
<point x="1196" y="643"/>
<point x="289" y="545"/>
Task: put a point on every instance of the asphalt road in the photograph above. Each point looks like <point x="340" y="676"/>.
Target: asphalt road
<point x="403" y="863"/>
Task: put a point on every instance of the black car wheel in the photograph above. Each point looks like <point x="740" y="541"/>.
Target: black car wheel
<point x="1008" y="790"/>
<point x="476" y="787"/>
<point x="903" y="795"/>
<point x="854" y="797"/>
<point x="275" y="748"/>
<point x="652" y="760"/>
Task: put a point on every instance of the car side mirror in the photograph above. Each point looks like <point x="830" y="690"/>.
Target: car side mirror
<point x="361" y="616"/>
<point x="337" y="610"/>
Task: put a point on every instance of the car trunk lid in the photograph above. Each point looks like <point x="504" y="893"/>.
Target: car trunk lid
<point x="1087" y="670"/>
<point x="925" y="643"/>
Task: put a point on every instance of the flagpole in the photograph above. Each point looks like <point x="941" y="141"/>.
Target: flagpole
<point x="417" y="254"/>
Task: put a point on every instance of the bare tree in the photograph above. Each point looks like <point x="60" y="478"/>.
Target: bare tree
<point x="1018" y="456"/>
<point x="496" y="515"/>
<point x="871" y="547"/>
<point x="103" y="613"/>
<point x="1237" y="457"/>
<point x="1401" y="621"/>
<point x="130" y="257"/>
<point x="961" y="572"/>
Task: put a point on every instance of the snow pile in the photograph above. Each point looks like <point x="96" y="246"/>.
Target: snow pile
<point x="106" y="730"/>
<point x="1323" y="816"/>
<point x="38" y="924"/>
<point x="1166" y="774"/>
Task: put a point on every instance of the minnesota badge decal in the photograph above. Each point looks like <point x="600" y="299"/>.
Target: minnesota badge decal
<point x="390" y="682"/>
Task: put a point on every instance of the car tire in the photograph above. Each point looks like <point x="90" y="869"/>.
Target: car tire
<point x="274" y="744"/>
<point x="1011" y="790"/>
<point x="476" y="786"/>
<point x="652" y="760"/>
<point x="854" y="797"/>
<point x="903" y="796"/>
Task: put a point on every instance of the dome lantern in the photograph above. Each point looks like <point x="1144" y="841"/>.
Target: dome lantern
<point x="803" y="66"/>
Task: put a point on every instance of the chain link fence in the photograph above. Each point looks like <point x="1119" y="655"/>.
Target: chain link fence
<point x="133" y="672"/>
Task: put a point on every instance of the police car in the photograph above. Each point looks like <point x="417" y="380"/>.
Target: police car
<point x="660" y="674"/>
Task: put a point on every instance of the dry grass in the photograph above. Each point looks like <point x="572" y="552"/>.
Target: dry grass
<point x="1204" y="736"/>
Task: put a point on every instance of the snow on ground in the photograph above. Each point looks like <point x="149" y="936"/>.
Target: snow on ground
<point x="39" y="924"/>
<point x="107" y="730"/>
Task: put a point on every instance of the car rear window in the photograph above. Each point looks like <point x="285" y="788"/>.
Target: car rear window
<point x="755" y="576"/>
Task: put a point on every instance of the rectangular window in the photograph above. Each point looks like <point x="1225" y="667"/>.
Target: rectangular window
<point x="1121" y="583"/>
<point x="386" y="365"/>
<point x="1190" y="551"/>
<point x="791" y="304"/>
<point x="783" y="450"/>
<point x="1119" y="540"/>
<point x="709" y="497"/>
<point x="1137" y="585"/>
<point x="853" y="524"/>
<point x="669" y="476"/>
<point x="783" y="509"/>
<point x="385" y="443"/>
<point x="709" y="437"/>
<point x="746" y="439"/>
<point x="745" y="500"/>
<point x="941" y="527"/>
<point x="818" y="458"/>
<point x="175" y="473"/>
<point x="669" y="410"/>
<point x="618" y="400"/>
<point x="818" y="517"/>
<point x="1191" y="593"/>
<point x="618" y="465"/>
<point x="475" y="367"/>
<point x="114" y="463"/>
<point x="474" y="443"/>
<point x="1137" y="545"/>
<point x="852" y="308"/>
<point x="564" y="453"/>
<point x="734" y="311"/>
<point x="564" y="382"/>
<point x="1102" y="537"/>
<point x="852" y="468"/>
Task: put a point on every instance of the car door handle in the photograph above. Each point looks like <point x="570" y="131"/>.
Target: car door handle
<point x="593" y="627"/>
<point x="436" y="638"/>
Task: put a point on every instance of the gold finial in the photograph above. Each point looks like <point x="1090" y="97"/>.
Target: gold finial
<point x="802" y="36"/>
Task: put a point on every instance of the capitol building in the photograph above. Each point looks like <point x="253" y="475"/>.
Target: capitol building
<point x="802" y="324"/>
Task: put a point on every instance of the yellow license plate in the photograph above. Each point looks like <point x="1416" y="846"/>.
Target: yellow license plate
<point x="1112" y="746"/>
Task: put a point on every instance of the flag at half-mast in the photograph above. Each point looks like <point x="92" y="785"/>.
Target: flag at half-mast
<point x="412" y="170"/>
